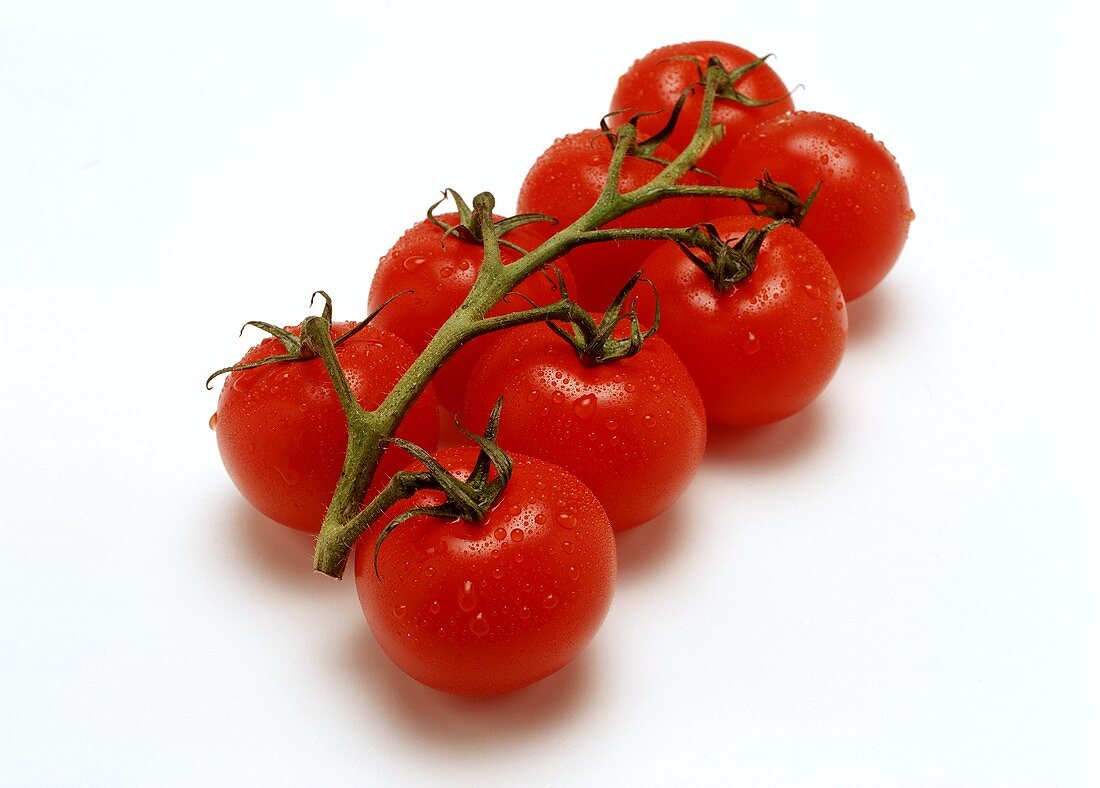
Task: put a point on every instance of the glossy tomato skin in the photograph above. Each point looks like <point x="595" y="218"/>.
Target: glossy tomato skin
<point x="566" y="181"/>
<point x="765" y="349"/>
<point x="860" y="218"/>
<point x="282" y="433"/>
<point x="654" y="84"/>
<point x="633" y="430"/>
<point x="489" y="607"/>
<point x="440" y="276"/>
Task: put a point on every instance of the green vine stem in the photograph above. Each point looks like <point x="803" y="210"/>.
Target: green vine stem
<point x="369" y="431"/>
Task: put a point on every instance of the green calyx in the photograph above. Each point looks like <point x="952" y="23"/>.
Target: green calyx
<point x="725" y="263"/>
<point x="726" y="86"/>
<point x="469" y="499"/>
<point x="781" y="201"/>
<point x="594" y="342"/>
<point x="298" y="349"/>
<point x="469" y="228"/>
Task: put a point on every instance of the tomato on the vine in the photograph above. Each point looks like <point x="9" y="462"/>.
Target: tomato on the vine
<point x="440" y="272"/>
<point x="482" y="608"/>
<point x="860" y="217"/>
<point x="632" y="429"/>
<point x="282" y="433"/>
<point x="655" y="82"/>
<point x="763" y="349"/>
<point x="566" y="181"/>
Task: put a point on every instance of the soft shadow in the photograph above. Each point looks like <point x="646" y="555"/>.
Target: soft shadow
<point x="275" y="550"/>
<point x="769" y="445"/>
<point x="871" y="315"/>
<point x="468" y="727"/>
<point x="643" y="550"/>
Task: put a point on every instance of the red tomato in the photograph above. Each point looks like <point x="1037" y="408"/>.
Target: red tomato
<point x="282" y="432"/>
<point x="860" y="218"/>
<point x="633" y="430"/>
<point x="655" y="82"/>
<point x="487" y="607"/>
<point x="566" y="181"/>
<point x="766" y="348"/>
<point x="441" y="275"/>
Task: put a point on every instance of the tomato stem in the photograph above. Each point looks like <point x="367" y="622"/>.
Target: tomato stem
<point x="368" y="431"/>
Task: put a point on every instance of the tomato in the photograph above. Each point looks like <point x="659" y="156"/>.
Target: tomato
<point x="633" y="430"/>
<point x="482" y="608"/>
<point x="566" y="181"/>
<point x="282" y="433"/>
<point x="656" y="81"/>
<point x="440" y="276"/>
<point x="860" y="218"/>
<point x="766" y="348"/>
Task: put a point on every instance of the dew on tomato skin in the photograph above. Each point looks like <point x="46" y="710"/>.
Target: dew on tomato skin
<point x="567" y="520"/>
<point x="400" y="610"/>
<point x="434" y="607"/>
<point x="584" y="406"/>
<point x="498" y="572"/>
<point x="613" y="440"/>
<point x="213" y="420"/>
<point x="567" y="547"/>
<point x="479" y="626"/>
<point x="517" y="534"/>
<point x="812" y="290"/>
<point x="500" y="533"/>
<point x="532" y="395"/>
<point x="550" y="601"/>
<point x="524" y="612"/>
<point x="649" y="420"/>
<point x="574" y="573"/>
<point x="446" y="271"/>
<point x="464" y="265"/>
<point x="816" y="321"/>
<point x="467" y="599"/>
<point x="414" y="262"/>
<point x="519" y="558"/>
<point x="750" y="343"/>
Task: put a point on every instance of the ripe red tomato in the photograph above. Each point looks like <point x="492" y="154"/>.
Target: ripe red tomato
<point x="566" y="181"/>
<point x="282" y="432"/>
<point x="633" y="430"/>
<point x="656" y="81"/>
<point x="860" y="218"/>
<point x="766" y="348"/>
<point x="440" y="276"/>
<point x="482" y="608"/>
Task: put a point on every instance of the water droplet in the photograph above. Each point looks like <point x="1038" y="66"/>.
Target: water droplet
<point x="567" y="520"/>
<point x="532" y="395"/>
<point x="498" y="572"/>
<point x="574" y="573"/>
<point x="584" y="406"/>
<point x="400" y="610"/>
<point x="500" y="533"/>
<point x="557" y="398"/>
<point x="479" y="626"/>
<point x="908" y="213"/>
<point x="839" y="305"/>
<point x="517" y="534"/>
<point x="813" y="291"/>
<point x="519" y="558"/>
<point x="290" y="474"/>
<point x="540" y="518"/>
<point x="550" y="601"/>
<point x="525" y="612"/>
<point x="751" y="343"/>
<point x="412" y="263"/>
<point x="567" y="547"/>
<point x="467" y="599"/>
<point x="630" y="387"/>
<point x="649" y="420"/>
<point x="613" y="440"/>
<point x="213" y="420"/>
<point x="816" y="321"/>
<point x="434" y="606"/>
<point x="611" y="424"/>
<point x="463" y="265"/>
<point x="824" y="158"/>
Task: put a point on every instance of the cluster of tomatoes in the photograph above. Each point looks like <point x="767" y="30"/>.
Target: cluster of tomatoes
<point x="600" y="441"/>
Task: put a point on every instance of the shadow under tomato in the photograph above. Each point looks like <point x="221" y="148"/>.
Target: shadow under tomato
<point x="470" y="727"/>
<point x="769" y="445"/>
<point x="869" y="316"/>
<point x="641" y="551"/>
<point x="275" y="550"/>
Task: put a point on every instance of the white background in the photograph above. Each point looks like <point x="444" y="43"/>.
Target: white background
<point x="898" y="586"/>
